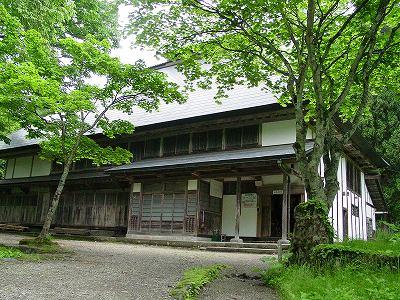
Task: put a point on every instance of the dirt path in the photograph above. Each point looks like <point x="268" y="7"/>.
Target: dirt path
<point x="120" y="271"/>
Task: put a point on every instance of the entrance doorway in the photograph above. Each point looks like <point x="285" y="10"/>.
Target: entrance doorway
<point x="276" y="215"/>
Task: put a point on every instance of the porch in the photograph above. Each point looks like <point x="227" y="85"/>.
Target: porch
<point x="237" y="195"/>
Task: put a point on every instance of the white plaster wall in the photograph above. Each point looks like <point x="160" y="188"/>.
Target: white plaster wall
<point x="248" y="217"/>
<point x="23" y="166"/>
<point x="40" y="167"/>
<point x="278" y="133"/>
<point x="357" y="226"/>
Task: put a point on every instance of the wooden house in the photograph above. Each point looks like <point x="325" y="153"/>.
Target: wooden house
<point x="199" y="169"/>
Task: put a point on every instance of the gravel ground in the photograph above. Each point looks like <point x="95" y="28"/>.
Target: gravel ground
<point x="121" y="271"/>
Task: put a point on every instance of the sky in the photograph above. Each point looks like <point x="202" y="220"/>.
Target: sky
<point x="126" y="52"/>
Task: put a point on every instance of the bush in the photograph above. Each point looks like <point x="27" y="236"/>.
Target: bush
<point x="356" y="253"/>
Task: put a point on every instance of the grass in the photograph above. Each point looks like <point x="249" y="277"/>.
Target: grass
<point x="378" y="245"/>
<point x="10" y="252"/>
<point x="193" y="281"/>
<point x="302" y="282"/>
<point x="354" y="279"/>
<point x="15" y="253"/>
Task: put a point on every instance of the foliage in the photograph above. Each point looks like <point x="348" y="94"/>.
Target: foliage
<point x="10" y="252"/>
<point x="373" y="255"/>
<point x="381" y="127"/>
<point x="353" y="269"/>
<point x="344" y="283"/>
<point x="55" y="19"/>
<point x="62" y="87"/>
<point x="193" y="281"/>
<point x="312" y="227"/>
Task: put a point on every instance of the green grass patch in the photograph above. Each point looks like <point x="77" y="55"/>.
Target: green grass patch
<point x="193" y="281"/>
<point x="345" y="283"/>
<point x="15" y="253"/>
<point x="10" y="252"/>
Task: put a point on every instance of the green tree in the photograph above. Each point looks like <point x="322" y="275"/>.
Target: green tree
<point x="63" y="95"/>
<point x="381" y="126"/>
<point x="323" y="57"/>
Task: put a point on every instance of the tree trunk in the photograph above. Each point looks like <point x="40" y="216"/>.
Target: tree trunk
<point x="55" y="200"/>
<point x="312" y="227"/>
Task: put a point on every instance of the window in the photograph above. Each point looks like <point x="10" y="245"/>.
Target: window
<point x="241" y="137"/>
<point x="214" y="140"/>
<point x="233" y="138"/>
<point x="199" y="141"/>
<point x="169" y="145"/>
<point x="176" y="144"/>
<point x="137" y="150"/>
<point x="152" y="148"/>
<point x="353" y="177"/>
<point x="355" y="210"/>
<point x="250" y="135"/>
<point x="182" y="144"/>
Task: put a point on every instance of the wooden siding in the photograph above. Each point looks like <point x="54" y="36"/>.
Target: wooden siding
<point x="99" y="209"/>
<point x="23" y="208"/>
<point x="161" y="210"/>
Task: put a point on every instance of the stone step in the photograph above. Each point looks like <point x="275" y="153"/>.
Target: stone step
<point x="242" y="245"/>
<point x="241" y="250"/>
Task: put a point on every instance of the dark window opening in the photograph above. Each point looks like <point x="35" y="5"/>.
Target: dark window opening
<point x="214" y="140"/>
<point x="182" y="144"/>
<point x="199" y="141"/>
<point x="355" y="210"/>
<point x="250" y="135"/>
<point x="247" y="187"/>
<point x="152" y="148"/>
<point x="169" y="145"/>
<point x="137" y="150"/>
<point x="233" y="138"/>
<point x="353" y="177"/>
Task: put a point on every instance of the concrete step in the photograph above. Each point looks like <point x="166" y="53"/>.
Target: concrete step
<point x="241" y="250"/>
<point x="244" y="245"/>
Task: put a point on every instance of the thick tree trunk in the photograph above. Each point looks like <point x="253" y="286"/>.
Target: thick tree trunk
<point x="55" y="200"/>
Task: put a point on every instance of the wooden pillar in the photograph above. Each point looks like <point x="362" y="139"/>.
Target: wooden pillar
<point x="237" y="239"/>
<point x="129" y="217"/>
<point x="285" y="208"/>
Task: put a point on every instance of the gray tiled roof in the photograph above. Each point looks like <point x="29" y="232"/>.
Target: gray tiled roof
<point x="200" y="103"/>
<point x="210" y="158"/>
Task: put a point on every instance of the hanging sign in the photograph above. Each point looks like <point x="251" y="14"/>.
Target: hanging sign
<point x="277" y="192"/>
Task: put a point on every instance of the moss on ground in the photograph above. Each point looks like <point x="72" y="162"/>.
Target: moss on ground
<point x="46" y="245"/>
<point x="193" y="281"/>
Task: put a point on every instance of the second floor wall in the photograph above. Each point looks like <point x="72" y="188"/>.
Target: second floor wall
<point x="213" y="138"/>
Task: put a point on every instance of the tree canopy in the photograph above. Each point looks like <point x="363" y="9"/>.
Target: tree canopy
<point x="59" y="82"/>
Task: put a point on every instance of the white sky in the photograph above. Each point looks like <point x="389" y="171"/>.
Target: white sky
<point x="128" y="53"/>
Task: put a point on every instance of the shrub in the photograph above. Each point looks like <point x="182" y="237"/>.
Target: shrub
<point x="351" y="253"/>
